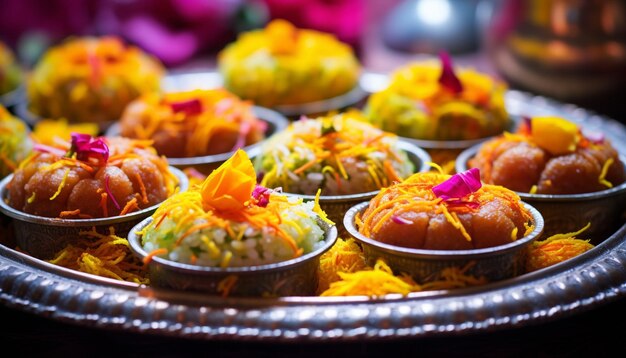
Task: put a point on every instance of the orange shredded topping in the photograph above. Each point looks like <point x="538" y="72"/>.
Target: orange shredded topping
<point x="226" y="285"/>
<point x="557" y="248"/>
<point x="69" y="213"/>
<point x="225" y="198"/>
<point x="153" y="253"/>
<point x="103" y="204"/>
<point x="106" y="255"/>
<point x="130" y="206"/>
<point x="415" y="194"/>
<point x="142" y="188"/>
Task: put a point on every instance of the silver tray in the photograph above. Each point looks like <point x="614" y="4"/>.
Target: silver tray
<point x="588" y="281"/>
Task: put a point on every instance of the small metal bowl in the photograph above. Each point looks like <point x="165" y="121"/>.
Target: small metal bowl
<point x="22" y="110"/>
<point x="335" y="206"/>
<point x="564" y="213"/>
<point x="493" y="263"/>
<point x="295" y="277"/>
<point x="42" y="237"/>
<point x="184" y="81"/>
<point x="351" y="98"/>
<point x="206" y="164"/>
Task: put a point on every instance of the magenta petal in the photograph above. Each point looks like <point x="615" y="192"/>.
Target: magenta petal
<point x="108" y="190"/>
<point x="459" y="185"/>
<point x="87" y="147"/>
<point x="48" y="149"/>
<point x="262" y="195"/>
<point x="448" y="78"/>
<point x="79" y="140"/>
<point x="99" y="149"/>
<point x="190" y="107"/>
<point x="400" y="220"/>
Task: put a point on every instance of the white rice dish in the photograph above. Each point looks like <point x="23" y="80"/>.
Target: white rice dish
<point x="340" y="154"/>
<point x="192" y="235"/>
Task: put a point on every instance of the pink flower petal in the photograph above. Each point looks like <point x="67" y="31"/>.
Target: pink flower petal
<point x="262" y="195"/>
<point x="448" y="78"/>
<point x="48" y="149"/>
<point x="400" y="220"/>
<point x="189" y="107"/>
<point x="87" y="147"/>
<point x="108" y="190"/>
<point x="459" y="185"/>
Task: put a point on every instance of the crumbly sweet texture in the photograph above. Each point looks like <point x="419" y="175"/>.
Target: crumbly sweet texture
<point x="184" y="231"/>
<point x="339" y="154"/>
<point x="51" y="185"/>
<point x="91" y="79"/>
<point x="284" y="65"/>
<point x="416" y="105"/>
<point x="517" y="162"/>
<point x="15" y="142"/>
<point x="409" y="214"/>
<point x="10" y="71"/>
<point x="193" y="123"/>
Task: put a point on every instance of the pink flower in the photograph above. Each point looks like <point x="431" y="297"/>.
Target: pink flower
<point x="448" y="78"/>
<point x="262" y="195"/>
<point x="86" y="147"/>
<point x="459" y="185"/>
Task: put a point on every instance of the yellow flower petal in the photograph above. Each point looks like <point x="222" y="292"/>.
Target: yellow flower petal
<point x="230" y="186"/>
<point x="554" y="134"/>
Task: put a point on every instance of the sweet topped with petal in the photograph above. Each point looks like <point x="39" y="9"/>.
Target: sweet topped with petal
<point x="229" y="221"/>
<point x="193" y="123"/>
<point x="443" y="212"/>
<point x="90" y="178"/>
<point x="284" y="65"/>
<point x="339" y="154"/>
<point x="91" y="79"/>
<point x="433" y="100"/>
<point x="550" y="155"/>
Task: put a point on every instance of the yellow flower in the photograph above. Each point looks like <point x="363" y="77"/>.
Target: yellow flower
<point x="554" y="134"/>
<point x="229" y="187"/>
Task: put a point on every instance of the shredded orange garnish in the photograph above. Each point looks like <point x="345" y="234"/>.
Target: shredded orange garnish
<point x="557" y="248"/>
<point x="69" y="213"/>
<point x="226" y="285"/>
<point x="341" y="154"/>
<point x="142" y="188"/>
<point x="106" y="255"/>
<point x="156" y="252"/>
<point x="344" y="256"/>
<point x="103" y="204"/>
<point x="130" y="206"/>
<point x="415" y="194"/>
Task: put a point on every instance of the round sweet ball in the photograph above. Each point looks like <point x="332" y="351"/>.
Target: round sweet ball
<point x="431" y="100"/>
<point x="91" y="79"/>
<point x="550" y="155"/>
<point x="413" y="214"/>
<point x="91" y="178"/>
<point x="193" y="123"/>
<point x="284" y="65"/>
